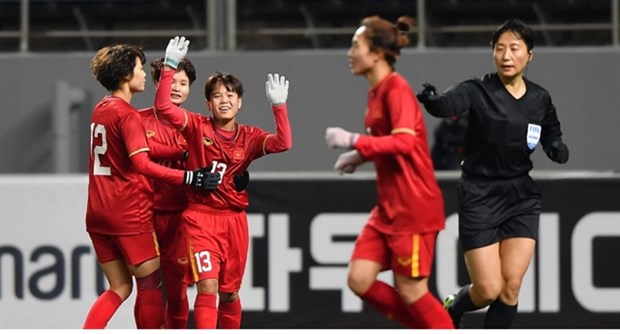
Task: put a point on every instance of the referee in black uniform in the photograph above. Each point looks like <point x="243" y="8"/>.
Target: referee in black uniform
<point x="499" y="204"/>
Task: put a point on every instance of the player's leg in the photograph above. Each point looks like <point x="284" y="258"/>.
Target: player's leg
<point x="229" y="310"/>
<point x="141" y="252"/>
<point x="370" y="257"/>
<point x="118" y="277"/>
<point x="204" y="235"/>
<point x="411" y="262"/>
<point x="173" y="244"/>
<point x="231" y="273"/>
<point x="516" y="255"/>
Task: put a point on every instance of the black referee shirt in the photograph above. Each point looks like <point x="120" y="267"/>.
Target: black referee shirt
<point x="503" y="131"/>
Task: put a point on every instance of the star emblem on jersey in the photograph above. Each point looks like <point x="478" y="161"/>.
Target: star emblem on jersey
<point x="238" y="154"/>
<point x="150" y="133"/>
<point x="207" y="141"/>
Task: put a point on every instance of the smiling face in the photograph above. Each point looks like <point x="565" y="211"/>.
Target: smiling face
<point x="180" y="88"/>
<point x="224" y="104"/>
<point x="511" y="55"/>
<point x="361" y="58"/>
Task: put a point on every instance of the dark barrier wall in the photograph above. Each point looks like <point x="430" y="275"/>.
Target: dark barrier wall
<point x="583" y="83"/>
<point x="302" y="232"/>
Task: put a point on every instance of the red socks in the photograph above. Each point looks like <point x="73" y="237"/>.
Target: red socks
<point x="426" y="313"/>
<point x="177" y="306"/>
<point x="102" y="310"/>
<point x="386" y="300"/>
<point x="429" y="313"/>
<point x="229" y="315"/>
<point x="205" y="311"/>
<point x="149" y="308"/>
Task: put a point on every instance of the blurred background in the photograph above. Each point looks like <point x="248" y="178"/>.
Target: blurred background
<point x="301" y="239"/>
<point x="47" y="87"/>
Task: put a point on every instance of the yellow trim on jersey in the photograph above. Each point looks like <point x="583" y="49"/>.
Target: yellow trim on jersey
<point x="265" y="144"/>
<point x="403" y="130"/>
<point x="156" y="244"/>
<point x="186" y="122"/>
<point x="146" y="149"/>
<point x="193" y="264"/>
<point x="415" y="257"/>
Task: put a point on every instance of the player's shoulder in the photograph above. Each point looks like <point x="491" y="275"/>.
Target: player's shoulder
<point x="397" y="80"/>
<point x="147" y="112"/>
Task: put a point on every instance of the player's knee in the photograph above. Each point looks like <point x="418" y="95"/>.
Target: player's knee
<point x="151" y="281"/>
<point x="209" y="286"/>
<point x="123" y="290"/>
<point x="228" y="297"/>
<point x="359" y="284"/>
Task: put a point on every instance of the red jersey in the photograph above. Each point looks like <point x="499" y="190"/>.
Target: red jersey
<point x="120" y="200"/>
<point x="409" y="198"/>
<point x="210" y="147"/>
<point x="168" y="197"/>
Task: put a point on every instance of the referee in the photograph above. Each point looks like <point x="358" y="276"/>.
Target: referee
<point x="499" y="204"/>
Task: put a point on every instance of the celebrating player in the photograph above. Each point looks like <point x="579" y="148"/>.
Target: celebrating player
<point x="217" y="224"/>
<point x="499" y="205"/>
<point x="401" y="231"/>
<point x="119" y="209"/>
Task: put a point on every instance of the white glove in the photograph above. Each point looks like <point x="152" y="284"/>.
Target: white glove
<point x="340" y="138"/>
<point x="276" y="89"/>
<point x="347" y="162"/>
<point x="176" y="51"/>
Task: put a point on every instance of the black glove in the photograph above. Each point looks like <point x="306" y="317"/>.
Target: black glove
<point x="558" y="152"/>
<point x="428" y="91"/>
<point x="202" y="179"/>
<point x="241" y="180"/>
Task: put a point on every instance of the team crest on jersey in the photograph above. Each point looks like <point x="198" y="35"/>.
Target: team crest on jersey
<point x="376" y="113"/>
<point x="403" y="261"/>
<point x="238" y="154"/>
<point x="533" y="135"/>
<point x="150" y="133"/>
<point x="207" y="141"/>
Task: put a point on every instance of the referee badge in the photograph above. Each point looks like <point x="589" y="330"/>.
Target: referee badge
<point x="533" y="135"/>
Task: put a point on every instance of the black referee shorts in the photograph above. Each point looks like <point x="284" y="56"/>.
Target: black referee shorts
<point x="493" y="210"/>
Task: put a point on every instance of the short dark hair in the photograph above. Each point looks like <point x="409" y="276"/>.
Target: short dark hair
<point x="517" y="27"/>
<point x="184" y="65"/>
<point x="229" y="81"/>
<point x="111" y="64"/>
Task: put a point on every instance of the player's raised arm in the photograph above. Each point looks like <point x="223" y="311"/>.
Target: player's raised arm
<point x="169" y="112"/>
<point x="276" y="89"/>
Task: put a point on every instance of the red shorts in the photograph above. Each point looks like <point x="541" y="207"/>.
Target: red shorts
<point x="172" y="243"/>
<point x="409" y="255"/>
<point x="134" y="249"/>
<point x="218" y="244"/>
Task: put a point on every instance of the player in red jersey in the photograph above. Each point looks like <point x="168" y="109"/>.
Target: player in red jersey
<point x="401" y="231"/>
<point x="119" y="209"/>
<point x="168" y="148"/>
<point x="217" y="224"/>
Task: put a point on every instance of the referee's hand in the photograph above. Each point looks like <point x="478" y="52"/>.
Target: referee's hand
<point x="426" y="93"/>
